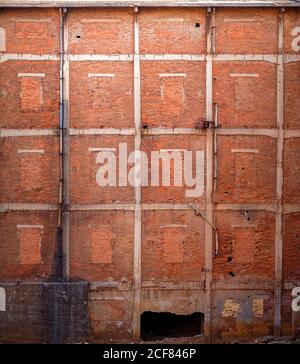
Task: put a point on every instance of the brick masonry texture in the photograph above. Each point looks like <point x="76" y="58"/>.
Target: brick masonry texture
<point x="83" y="242"/>
<point x="27" y="183"/>
<point x="12" y="266"/>
<point x="172" y="246"/>
<point x="242" y="100"/>
<point x="20" y="107"/>
<point x="172" y="101"/>
<point x="97" y="305"/>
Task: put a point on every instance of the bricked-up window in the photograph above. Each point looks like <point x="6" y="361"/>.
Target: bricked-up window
<point x="31" y="169"/>
<point x="101" y="91"/>
<point x="31" y="91"/>
<point x="172" y="93"/>
<point x="173" y="244"/>
<point x="30" y="244"/>
<point x="241" y="29"/>
<point x="245" y="168"/>
<point x="27" y="29"/>
<point x="245" y="94"/>
<point x="101" y="244"/>
<point x="168" y="29"/>
<point x="243" y="244"/>
<point x="2" y="40"/>
<point x="106" y="29"/>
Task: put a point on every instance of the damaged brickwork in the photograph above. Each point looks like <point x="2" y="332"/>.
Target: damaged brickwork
<point x="81" y="263"/>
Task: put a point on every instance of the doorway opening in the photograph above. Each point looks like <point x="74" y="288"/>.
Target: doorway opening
<point x="160" y="325"/>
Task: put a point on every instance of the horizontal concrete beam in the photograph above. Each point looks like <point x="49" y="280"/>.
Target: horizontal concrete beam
<point x="272" y="58"/>
<point x="6" y="207"/>
<point x="288" y="208"/>
<point x="5" y="133"/>
<point x="148" y="3"/>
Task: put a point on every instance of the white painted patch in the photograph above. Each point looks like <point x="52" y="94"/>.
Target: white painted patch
<point x="258" y="307"/>
<point x="244" y="75"/>
<point x="244" y="150"/>
<point x="172" y="74"/>
<point x="30" y="226"/>
<point x="296" y="41"/>
<point x="101" y="75"/>
<point x="31" y="74"/>
<point x="40" y="151"/>
<point x="102" y="149"/>
<point x="2" y="299"/>
<point x="230" y="308"/>
<point x="2" y="40"/>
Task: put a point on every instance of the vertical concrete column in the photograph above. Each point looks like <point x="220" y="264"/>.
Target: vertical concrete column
<point x="66" y="150"/>
<point x="279" y="183"/>
<point x="138" y="189"/>
<point x="209" y="171"/>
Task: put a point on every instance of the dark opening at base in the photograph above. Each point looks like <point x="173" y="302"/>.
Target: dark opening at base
<point x="159" y="325"/>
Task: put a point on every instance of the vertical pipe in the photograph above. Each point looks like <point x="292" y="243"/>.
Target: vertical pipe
<point x="215" y="148"/>
<point x="279" y="183"/>
<point x="138" y="189"/>
<point x="58" y="258"/>
<point x="61" y="111"/>
<point x="209" y="172"/>
<point x="65" y="149"/>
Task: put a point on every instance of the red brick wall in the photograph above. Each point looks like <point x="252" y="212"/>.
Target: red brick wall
<point x="20" y="257"/>
<point x="173" y="95"/>
<point x="87" y="260"/>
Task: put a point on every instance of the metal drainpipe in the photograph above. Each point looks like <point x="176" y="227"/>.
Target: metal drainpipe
<point x="61" y="154"/>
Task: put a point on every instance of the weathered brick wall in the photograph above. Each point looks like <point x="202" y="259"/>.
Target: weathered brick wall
<point x="174" y="84"/>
